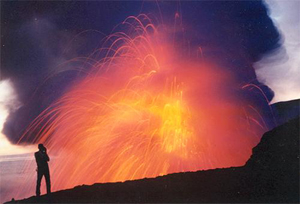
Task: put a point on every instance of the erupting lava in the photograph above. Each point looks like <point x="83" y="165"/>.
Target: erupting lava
<point x="143" y="110"/>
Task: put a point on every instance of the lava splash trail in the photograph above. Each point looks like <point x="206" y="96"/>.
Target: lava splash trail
<point x="146" y="109"/>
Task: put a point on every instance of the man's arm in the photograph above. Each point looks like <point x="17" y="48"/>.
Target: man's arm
<point x="47" y="157"/>
<point x="41" y="156"/>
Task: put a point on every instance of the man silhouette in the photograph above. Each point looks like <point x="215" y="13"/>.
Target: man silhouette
<point x="42" y="158"/>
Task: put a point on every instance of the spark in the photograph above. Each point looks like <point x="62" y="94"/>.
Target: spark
<point x="143" y="111"/>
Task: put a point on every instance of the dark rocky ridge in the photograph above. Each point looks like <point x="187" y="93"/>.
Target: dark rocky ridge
<point x="285" y="111"/>
<point x="270" y="175"/>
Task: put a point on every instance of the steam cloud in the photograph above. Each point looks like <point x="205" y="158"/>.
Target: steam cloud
<point x="233" y="34"/>
<point x="280" y="70"/>
<point x="9" y="103"/>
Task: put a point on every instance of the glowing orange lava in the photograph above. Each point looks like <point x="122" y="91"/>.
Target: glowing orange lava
<point x="145" y="110"/>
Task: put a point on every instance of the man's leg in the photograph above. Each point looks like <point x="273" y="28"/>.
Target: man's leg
<point x="38" y="183"/>
<point x="48" y="183"/>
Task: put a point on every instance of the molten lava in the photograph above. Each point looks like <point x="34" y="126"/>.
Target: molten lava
<point x="143" y="110"/>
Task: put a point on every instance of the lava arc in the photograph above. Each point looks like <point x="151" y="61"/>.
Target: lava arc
<point x="145" y="109"/>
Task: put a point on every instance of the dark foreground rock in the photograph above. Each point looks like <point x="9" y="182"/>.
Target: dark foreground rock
<point x="270" y="175"/>
<point x="285" y="111"/>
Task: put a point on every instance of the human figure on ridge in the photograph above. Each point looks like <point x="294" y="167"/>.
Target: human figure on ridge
<point x="42" y="158"/>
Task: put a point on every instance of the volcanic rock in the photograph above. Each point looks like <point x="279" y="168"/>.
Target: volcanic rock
<point x="271" y="175"/>
<point x="285" y="111"/>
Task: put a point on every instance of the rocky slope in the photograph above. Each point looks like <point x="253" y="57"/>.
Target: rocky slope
<point x="285" y="111"/>
<point x="270" y="175"/>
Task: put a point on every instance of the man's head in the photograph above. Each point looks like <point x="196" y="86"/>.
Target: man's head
<point x="41" y="147"/>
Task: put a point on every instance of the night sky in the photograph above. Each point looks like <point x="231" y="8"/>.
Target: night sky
<point x="37" y="37"/>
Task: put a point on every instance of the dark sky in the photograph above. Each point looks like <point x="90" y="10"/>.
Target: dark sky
<point x="38" y="36"/>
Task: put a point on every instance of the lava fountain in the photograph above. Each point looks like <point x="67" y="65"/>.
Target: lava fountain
<point x="146" y="109"/>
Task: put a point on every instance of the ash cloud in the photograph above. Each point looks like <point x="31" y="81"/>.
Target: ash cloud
<point x="34" y="55"/>
<point x="281" y="69"/>
<point x="39" y="36"/>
